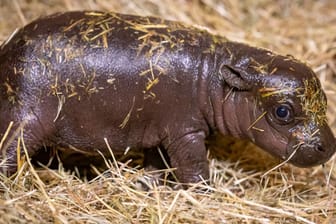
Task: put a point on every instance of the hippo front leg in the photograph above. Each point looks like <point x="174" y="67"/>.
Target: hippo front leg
<point x="188" y="155"/>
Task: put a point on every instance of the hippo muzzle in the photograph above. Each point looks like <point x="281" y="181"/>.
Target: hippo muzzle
<point x="306" y="150"/>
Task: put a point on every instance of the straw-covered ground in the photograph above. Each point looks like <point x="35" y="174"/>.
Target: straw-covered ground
<point x="241" y="189"/>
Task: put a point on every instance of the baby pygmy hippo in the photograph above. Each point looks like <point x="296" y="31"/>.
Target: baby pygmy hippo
<point x="74" y="79"/>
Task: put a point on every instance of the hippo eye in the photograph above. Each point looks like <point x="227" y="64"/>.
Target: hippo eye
<point x="283" y="113"/>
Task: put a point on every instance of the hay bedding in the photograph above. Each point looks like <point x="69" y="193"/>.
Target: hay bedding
<point x="240" y="191"/>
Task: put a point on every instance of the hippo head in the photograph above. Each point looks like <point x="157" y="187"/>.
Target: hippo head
<point x="286" y="108"/>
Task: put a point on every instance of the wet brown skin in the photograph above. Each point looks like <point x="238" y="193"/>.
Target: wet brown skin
<point x="77" y="78"/>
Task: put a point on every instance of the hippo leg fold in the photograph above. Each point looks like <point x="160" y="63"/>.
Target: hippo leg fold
<point x="189" y="156"/>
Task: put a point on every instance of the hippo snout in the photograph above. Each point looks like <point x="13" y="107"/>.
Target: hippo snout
<point x="312" y="151"/>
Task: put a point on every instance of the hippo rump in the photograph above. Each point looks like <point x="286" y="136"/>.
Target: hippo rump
<point x="92" y="80"/>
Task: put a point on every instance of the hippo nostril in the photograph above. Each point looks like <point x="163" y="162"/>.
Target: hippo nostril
<point x="320" y="148"/>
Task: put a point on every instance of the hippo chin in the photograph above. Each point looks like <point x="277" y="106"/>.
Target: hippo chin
<point x="80" y="80"/>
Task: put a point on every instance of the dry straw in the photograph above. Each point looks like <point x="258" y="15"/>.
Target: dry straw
<point x="239" y="192"/>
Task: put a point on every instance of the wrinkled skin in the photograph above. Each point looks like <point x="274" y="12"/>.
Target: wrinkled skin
<point x="75" y="79"/>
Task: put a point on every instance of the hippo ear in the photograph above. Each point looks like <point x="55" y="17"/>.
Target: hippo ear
<point x="235" y="77"/>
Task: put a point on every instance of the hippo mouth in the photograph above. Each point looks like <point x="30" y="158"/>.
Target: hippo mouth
<point x="308" y="156"/>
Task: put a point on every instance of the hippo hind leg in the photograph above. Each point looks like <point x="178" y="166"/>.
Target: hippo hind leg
<point x="156" y="163"/>
<point x="20" y="136"/>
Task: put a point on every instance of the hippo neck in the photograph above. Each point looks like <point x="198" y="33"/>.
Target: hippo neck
<point x="223" y="106"/>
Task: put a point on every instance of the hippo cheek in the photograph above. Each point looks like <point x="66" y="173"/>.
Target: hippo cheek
<point x="270" y="140"/>
<point x="312" y="152"/>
